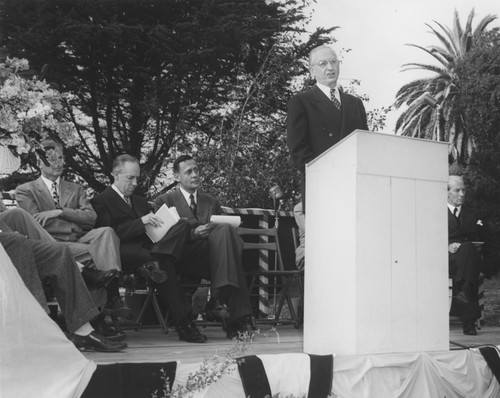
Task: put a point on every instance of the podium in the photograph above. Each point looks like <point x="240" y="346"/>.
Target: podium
<point x="376" y="276"/>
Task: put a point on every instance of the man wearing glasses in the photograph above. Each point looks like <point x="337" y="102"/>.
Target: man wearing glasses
<point x="321" y="116"/>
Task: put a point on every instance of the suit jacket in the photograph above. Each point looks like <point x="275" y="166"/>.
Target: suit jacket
<point x="112" y="211"/>
<point x="206" y="206"/>
<point x="314" y="124"/>
<point x="77" y="216"/>
<point x="470" y="227"/>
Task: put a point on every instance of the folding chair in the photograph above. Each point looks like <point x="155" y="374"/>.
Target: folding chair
<point x="280" y="278"/>
<point x="138" y="284"/>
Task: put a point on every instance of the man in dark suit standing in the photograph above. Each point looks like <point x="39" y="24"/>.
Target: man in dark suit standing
<point x="128" y="215"/>
<point x="321" y="116"/>
<point x="466" y="258"/>
<point x="214" y="251"/>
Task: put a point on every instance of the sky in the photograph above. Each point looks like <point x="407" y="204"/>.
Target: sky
<point x="376" y="32"/>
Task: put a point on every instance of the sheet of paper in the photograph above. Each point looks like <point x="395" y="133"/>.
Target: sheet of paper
<point x="235" y="221"/>
<point x="169" y="216"/>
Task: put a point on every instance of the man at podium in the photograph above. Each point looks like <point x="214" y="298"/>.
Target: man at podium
<point x="321" y="116"/>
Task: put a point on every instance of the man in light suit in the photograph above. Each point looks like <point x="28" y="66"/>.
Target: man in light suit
<point x="128" y="215"/>
<point x="214" y="251"/>
<point x="321" y="116"/>
<point x="63" y="209"/>
<point x="466" y="259"/>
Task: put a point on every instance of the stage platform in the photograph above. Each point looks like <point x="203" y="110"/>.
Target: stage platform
<point x="151" y="345"/>
<point x="411" y="374"/>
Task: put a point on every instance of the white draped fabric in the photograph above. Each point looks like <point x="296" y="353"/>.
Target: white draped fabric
<point x="451" y="374"/>
<point x="36" y="358"/>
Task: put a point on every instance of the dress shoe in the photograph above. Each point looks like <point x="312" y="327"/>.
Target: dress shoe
<point x="95" y="342"/>
<point x="94" y="278"/>
<point x="115" y="307"/>
<point x="152" y="272"/>
<point x="215" y="310"/>
<point x="237" y="329"/>
<point x="188" y="331"/>
<point x="469" y="328"/>
<point x="112" y="334"/>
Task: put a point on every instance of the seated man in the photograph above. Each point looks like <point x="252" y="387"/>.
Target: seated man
<point x="63" y="209"/>
<point x="214" y="251"/>
<point x="128" y="215"/>
<point x="19" y="220"/>
<point x="465" y="229"/>
<point x="36" y="261"/>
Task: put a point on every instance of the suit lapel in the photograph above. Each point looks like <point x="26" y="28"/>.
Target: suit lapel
<point x="322" y="103"/>
<point x="203" y="208"/>
<point x="117" y="201"/>
<point x="181" y="205"/>
<point x="65" y="192"/>
<point x="45" y="197"/>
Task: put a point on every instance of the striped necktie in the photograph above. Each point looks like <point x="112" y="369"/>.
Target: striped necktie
<point x="55" y="195"/>
<point x="334" y="99"/>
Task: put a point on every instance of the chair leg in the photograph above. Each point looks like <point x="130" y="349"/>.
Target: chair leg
<point x="159" y="315"/>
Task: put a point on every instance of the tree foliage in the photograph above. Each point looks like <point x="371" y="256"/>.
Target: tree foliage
<point x="479" y="102"/>
<point x="441" y="122"/>
<point x="160" y="77"/>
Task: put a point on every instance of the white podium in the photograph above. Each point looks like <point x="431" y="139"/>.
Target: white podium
<point x="376" y="277"/>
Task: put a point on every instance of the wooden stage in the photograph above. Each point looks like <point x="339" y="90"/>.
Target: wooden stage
<point x="151" y="345"/>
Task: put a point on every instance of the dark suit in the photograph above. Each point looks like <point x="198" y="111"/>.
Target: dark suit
<point x="136" y="247"/>
<point x="218" y="257"/>
<point x="466" y="263"/>
<point x="75" y="225"/>
<point x="36" y="261"/>
<point x="314" y="124"/>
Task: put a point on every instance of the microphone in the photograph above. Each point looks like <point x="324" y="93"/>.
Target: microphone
<point x="275" y="192"/>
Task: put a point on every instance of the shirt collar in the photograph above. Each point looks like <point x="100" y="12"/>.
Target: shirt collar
<point x="186" y="195"/>
<point x="326" y="90"/>
<point x="118" y="191"/>
<point x="48" y="183"/>
<point x="451" y="207"/>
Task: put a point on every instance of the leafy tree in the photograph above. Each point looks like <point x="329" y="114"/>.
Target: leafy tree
<point x="153" y="76"/>
<point x="441" y="122"/>
<point x="478" y="102"/>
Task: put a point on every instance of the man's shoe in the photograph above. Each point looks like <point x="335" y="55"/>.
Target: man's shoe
<point x="115" y="307"/>
<point x="153" y="272"/>
<point x="95" y="342"/>
<point x="469" y="328"/>
<point x="216" y="311"/>
<point x="94" y="278"/>
<point x="188" y="331"/>
<point x="238" y="330"/>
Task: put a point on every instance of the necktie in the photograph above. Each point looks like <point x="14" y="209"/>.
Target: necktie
<point x="192" y="204"/>
<point x="455" y="212"/>
<point x="55" y="195"/>
<point x="334" y="99"/>
<point x="127" y="200"/>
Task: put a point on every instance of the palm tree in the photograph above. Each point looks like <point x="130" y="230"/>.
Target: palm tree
<point x="431" y="109"/>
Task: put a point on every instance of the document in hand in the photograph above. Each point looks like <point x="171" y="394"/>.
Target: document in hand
<point x="169" y="216"/>
<point x="235" y="221"/>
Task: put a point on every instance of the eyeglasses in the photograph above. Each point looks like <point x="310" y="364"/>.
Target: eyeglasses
<point x="324" y="64"/>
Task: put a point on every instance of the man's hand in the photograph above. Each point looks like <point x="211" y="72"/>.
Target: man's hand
<point x="453" y="247"/>
<point x="202" y="231"/>
<point x="45" y="216"/>
<point x="152" y="219"/>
